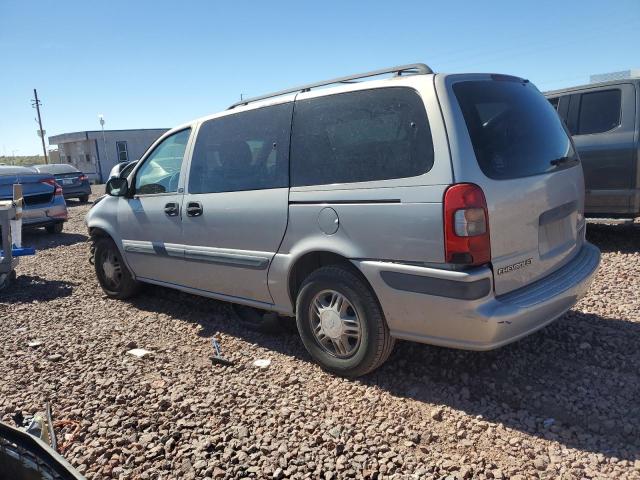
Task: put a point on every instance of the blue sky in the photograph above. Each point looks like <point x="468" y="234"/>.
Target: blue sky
<point x="157" y="63"/>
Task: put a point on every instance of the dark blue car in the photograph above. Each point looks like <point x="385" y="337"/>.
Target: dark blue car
<point x="74" y="183"/>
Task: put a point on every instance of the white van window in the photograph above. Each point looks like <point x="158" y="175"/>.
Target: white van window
<point x="243" y="151"/>
<point x="361" y="136"/>
<point x="161" y="169"/>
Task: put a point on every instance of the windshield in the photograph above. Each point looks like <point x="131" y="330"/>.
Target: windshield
<point x="514" y="130"/>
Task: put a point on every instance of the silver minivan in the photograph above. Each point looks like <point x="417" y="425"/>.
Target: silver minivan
<point x="438" y="208"/>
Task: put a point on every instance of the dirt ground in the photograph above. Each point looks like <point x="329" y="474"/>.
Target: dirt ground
<point x="562" y="403"/>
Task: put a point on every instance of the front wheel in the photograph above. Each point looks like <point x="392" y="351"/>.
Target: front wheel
<point x="113" y="275"/>
<point x="341" y="323"/>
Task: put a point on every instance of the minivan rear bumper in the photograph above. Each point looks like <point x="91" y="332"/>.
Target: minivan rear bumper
<point x="460" y="310"/>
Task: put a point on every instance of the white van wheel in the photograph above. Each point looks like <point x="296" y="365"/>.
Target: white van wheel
<point x="341" y="323"/>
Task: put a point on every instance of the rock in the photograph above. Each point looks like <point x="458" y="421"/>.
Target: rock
<point x="218" y="472"/>
<point x="540" y="463"/>
<point x="436" y="414"/>
<point x="56" y="357"/>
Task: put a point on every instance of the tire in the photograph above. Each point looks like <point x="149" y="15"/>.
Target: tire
<point x="55" y="228"/>
<point x="116" y="279"/>
<point x="354" y="357"/>
<point x="83" y="198"/>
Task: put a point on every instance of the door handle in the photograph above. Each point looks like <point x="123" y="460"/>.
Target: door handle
<point x="172" y="209"/>
<point x="194" y="209"/>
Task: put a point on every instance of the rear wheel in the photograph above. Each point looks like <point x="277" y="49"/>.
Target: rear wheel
<point x="341" y="323"/>
<point x="55" y="228"/>
<point x="83" y="198"/>
<point x="113" y="275"/>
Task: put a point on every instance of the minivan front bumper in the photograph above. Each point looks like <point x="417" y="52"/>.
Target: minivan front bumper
<point x="460" y="310"/>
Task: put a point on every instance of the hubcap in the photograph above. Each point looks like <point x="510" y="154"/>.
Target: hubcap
<point x="111" y="269"/>
<point x="335" y="324"/>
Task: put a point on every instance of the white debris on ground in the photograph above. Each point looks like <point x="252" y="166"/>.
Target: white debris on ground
<point x="562" y="403"/>
<point x="139" y="352"/>
<point x="262" y="363"/>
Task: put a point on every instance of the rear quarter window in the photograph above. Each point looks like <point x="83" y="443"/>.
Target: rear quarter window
<point x="514" y="130"/>
<point x="362" y="136"/>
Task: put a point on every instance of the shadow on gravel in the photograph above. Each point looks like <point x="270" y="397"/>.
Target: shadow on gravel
<point x="28" y="288"/>
<point x="576" y="382"/>
<point x="71" y="203"/>
<point x="615" y="238"/>
<point x="41" y="240"/>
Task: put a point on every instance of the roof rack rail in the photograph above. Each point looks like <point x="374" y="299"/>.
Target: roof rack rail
<point x="412" y="68"/>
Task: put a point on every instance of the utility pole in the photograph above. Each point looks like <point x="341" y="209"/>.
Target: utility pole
<point x="36" y="104"/>
<point x="104" y="143"/>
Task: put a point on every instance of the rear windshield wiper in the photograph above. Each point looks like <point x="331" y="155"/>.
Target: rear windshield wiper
<point x="562" y="160"/>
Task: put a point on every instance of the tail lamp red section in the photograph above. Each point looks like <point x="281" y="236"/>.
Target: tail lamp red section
<point x="466" y="225"/>
<point x="54" y="184"/>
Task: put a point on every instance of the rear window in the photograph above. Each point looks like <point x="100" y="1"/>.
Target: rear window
<point x="514" y="130"/>
<point x="57" y="168"/>
<point x="360" y="136"/>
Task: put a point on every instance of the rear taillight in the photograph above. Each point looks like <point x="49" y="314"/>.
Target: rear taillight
<point x="466" y="225"/>
<point x="83" y="177"/>
<point x="57" y="188"/>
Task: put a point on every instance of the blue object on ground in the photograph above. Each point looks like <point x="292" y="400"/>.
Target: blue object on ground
<point x="20" y="252"/>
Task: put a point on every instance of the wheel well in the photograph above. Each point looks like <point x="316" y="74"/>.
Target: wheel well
<point x="313" y="261"/>
<point x="97" y="232"/>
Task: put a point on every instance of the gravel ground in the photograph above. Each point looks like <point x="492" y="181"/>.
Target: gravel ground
<point x="563" y="403"/>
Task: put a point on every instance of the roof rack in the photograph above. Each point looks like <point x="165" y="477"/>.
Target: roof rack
<point x="413" y="68"/>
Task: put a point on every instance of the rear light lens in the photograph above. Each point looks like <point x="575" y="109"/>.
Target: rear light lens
<point x="466" y="225"/>
<point x="54" y="184"/>
<point x="83" y="177"/>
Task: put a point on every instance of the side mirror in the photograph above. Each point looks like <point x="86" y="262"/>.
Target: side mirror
<point x="117" y="187"/>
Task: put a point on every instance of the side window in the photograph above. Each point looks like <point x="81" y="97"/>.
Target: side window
<point x="599" y="111"/>
<point x="243" y="151"/>
<point x="360" y="136"/>
<point x="123" y="155"/>
<point x="161" y="169"/>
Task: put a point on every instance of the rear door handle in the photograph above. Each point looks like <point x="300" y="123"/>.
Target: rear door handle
<point x="172" y="209"/>
<point x="194" y="209"/>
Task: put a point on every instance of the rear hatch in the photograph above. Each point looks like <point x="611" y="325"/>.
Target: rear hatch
<point x="35" y="189"/>
<point x="529" y="171"/>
